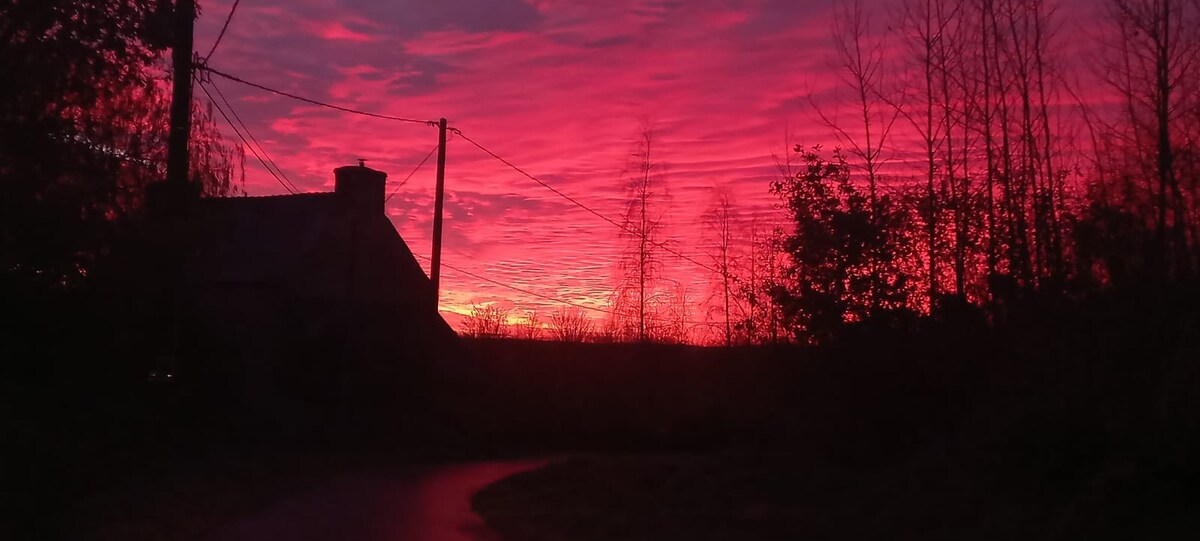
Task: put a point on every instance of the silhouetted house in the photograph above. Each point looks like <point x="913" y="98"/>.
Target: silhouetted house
<point x="295" y="307"/>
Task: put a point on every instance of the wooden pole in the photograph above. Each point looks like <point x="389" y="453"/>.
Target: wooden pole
<point x="435" y="267"/>
<point x="181" y="97"/>
<point x="172" y="195"/>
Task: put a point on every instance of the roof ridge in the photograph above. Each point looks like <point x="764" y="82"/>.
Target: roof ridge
<point x="267" y="196"/>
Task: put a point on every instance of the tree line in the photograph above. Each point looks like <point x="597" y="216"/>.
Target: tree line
<point x="983" y="167"/>
<point x="1029" y="188"/>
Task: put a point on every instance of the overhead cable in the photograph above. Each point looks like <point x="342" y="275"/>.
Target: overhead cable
<point x="244" y="141"/>
<point x="205" y="68"/>
<point x="224" y="27"/>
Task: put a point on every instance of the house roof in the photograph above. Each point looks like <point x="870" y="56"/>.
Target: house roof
<point x="316" y="245"/>
<point x="260" y="239"/>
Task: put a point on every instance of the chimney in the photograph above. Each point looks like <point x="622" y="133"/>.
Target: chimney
<point x="360" y="188"/>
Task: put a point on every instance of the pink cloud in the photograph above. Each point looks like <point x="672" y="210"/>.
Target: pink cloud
<point x="337" y="31"/>
<point x="561" y="95"/>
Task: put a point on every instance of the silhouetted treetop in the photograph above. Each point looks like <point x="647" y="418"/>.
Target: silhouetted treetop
<point x="83" y="126"/>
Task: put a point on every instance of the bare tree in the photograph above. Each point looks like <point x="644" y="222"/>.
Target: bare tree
<point x="1157" y="55"/>
<point x="486" y="321"/>
<point x="570" y="325"/>
<point x="642" y="227"/>
<point x="761" y="272"/>
<point x="954" y="193"/>
<point x="861" y="58"/>
<point x="1052" y="185"/>
<point x="675" y="322"/>
<point x="721" y="225"/>
<point x="923" y="30"/>
<point x="529" y="327"/>
<point x="611" y="331"/>
<point x="987" y="109"/>
<point x="1013" y="212"/>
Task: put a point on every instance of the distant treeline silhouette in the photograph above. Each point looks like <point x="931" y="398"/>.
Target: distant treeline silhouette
<point x="976" y="170"/>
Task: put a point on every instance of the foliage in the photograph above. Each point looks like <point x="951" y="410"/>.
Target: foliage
<point x="843" y="264"/>
<point x="760" y="271"/>
<point x="998" y="208"/>
<point x="83" y="130"/>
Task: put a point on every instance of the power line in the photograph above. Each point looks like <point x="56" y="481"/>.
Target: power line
<point x="535" y="179"/>
<point x="290" y="187"/>
<point x="411" y="173"/>
<point x="576" y="202"/>
<point x="225" y="27"/>
<point x="659" y="244"/>
<point x="236" y="79"/>
<point x="246" y="129"/>
<point x="520" y="290"/>
<point x="243" y="138"/>
<point x="286" y="185"/>
<point x="269" y="162"/>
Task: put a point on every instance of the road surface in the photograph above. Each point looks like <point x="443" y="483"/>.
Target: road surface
<point x="431" y="503"/>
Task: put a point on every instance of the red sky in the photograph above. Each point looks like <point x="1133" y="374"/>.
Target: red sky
<point x="559" y="88"/>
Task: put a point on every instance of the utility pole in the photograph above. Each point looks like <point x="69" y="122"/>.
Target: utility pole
<point x="181" y="97"/>
<point x="169" y="200"/>
<point x="435" y="267"/>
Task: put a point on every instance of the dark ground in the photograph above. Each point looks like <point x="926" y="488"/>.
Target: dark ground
<point x="749" y="495"/>
<point x="1076" y="421"/>
<point x="1063" y="422"/>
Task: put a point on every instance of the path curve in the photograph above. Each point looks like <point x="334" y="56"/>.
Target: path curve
<point x="430" y="503"/>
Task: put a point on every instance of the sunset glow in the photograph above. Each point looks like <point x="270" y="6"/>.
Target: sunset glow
<point x="559" y="88"/>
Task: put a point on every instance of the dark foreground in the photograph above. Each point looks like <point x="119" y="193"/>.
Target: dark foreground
<point x="422" y="503"/>
<point x="1060" y="421"/>
<point x="298" y="499"/>
<point x="735" y="496"/>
